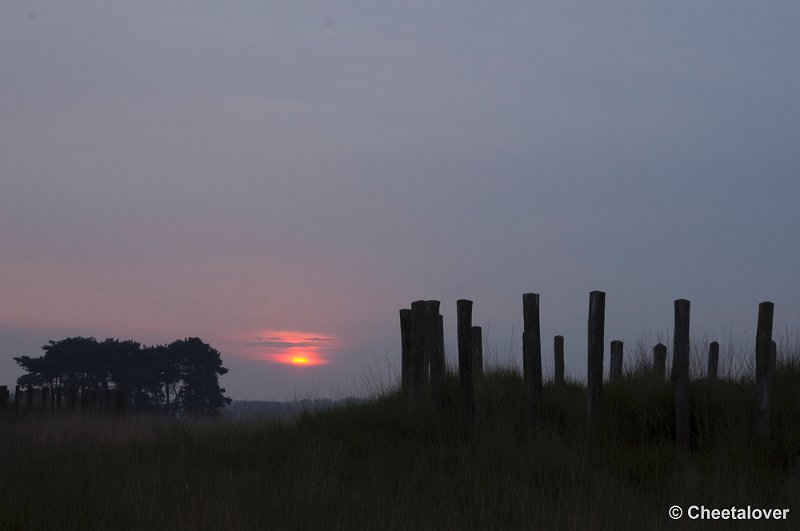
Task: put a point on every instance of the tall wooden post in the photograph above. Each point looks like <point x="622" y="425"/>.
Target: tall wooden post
<point x="615" y="365"/>
<point x="433" y="333"/>
<point x="3" y="399"/>
<point x="59" y="393"/>
<point x="597" y="311"/>
<point x="532" y="352"/>
<point x="558" y="359"/>
<point x="16" y="400"/>
<point x="660" y="361"/>
<point x="477" y="352"/>
<point x="763" y="363"/>
<point x="713" y="361"/>
<point x="419" y="373"/>
<point x="405" y="351"/>
<point x="680" y="363"/>
<point x="465" y="372"/>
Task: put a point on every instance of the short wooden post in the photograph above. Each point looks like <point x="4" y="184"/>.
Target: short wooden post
<point x="29" y="398"/>
<point x="532" y="352"/>
<point x="660" y="361"/>
<point x="763" y="363"/>
<point x="713" y="361"/>
<point x="433" y="329"/>
<point x="597" y="310"/>
<point x="419" y="363"/>
<point x="73" y="397"/>
<point x="477" y="352"/>
<point x="680" y="362"/>
<point x="120" y="401"/>
<point x="405" y="351"/>
<point x="615" y="363"/>
<point x="558" y="359"/>
<point x="465" y="372"/>
<point x="45" y="397"/>
<point x="84" y="400"/>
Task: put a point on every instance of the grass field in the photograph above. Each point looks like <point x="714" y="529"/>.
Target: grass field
<point x="383" y="464"/>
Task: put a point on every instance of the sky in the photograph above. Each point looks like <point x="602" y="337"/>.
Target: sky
<point x="280" y="178"/>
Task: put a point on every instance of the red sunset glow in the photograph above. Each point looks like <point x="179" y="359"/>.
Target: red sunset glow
<point x="291" y="347"/>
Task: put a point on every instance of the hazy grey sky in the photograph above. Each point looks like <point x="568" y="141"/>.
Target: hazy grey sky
<point x="261" y="173"/>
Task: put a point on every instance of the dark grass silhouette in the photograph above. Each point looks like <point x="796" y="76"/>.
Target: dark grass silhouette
<point x="385" y="464"/>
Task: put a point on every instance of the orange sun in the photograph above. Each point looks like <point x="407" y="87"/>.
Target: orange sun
<point x="291" y="347"/>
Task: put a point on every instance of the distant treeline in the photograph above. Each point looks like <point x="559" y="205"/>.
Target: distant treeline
<point x="182" y="376"/>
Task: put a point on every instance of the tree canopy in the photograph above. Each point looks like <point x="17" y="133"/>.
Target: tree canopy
<point x="181" y="376"/>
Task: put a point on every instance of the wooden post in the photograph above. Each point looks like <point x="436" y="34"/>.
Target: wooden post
<point x="465" y="372"/>
<point x="405" y="352"/>
<point x="660" y="361"/>
<point x="594" y="384"/>
<point x="45" y="397"/>
<point x="419" y="375"/>
<point x="763" y="363"/>
<point x="72" y="394"/>
<point x="558" y="359"/>
<point x="3" y="399"/>
<point x="477" y="352"/>
<point x="29" y="398"/>
<point x="713" y="361"/>
<point x="680" y="363"/>
<point x="16" y="400"/>
<point x="59" y="392"/>
<point x="615" y="365"/>
<point x="120" y="401"/>
<point x="532" y="352"/>
<point x="433" y="329"/>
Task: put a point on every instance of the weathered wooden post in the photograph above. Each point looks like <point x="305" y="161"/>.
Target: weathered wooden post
<point x="120" y="401"/>
<point x="594" y="384"/>
<point x="419" y="363"/>
<point x="433" y="329"/>
<point x="763" y="363"/>
<point x="660" y="361"/>
<point x="477" y="352"/>
<point x="465" y="372"/>
<point x="16" y="400"/>
<point x="3" y="399"/>
<point x="558" y="359"/>
<point x="29" y="398"/>
<point x="45" y="398"/>
<point x="405" y="352"/>
<point x="73" y="397"/>
<point x="532" y="352"/>
<point x="713" y="361"/>
<point x="680" y="363"/>
<point x="59" y="392"/>
<point x="108" y="400"/>
<point x="615" y="362"/>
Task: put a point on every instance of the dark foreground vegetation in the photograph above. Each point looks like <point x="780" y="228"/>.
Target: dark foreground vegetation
<point x="385" y="464"/>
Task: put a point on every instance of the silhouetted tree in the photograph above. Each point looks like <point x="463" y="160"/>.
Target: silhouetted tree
<point x="180" y="377"/>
